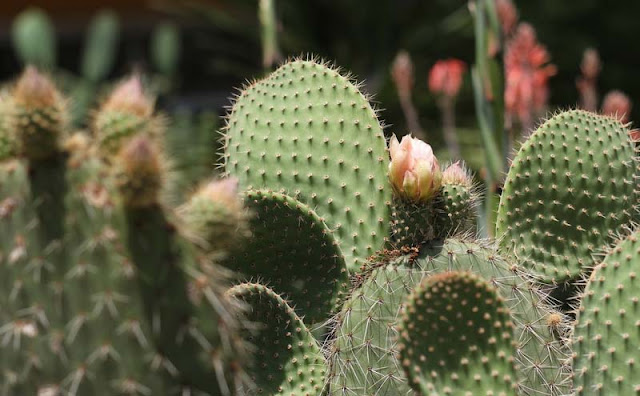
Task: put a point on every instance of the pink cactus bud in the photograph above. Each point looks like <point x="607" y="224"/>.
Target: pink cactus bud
<point x="414" y="171"/>
<point x="34" y="89"/>
<point x="129" y="96"/>
<point x="456" y="174"/>
<point x="445" y="77"/>
<point x="224" y="191"/>
<point x="617" y="104"/>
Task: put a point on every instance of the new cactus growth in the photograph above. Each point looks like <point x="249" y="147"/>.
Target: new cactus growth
<point x="456" y="334"/>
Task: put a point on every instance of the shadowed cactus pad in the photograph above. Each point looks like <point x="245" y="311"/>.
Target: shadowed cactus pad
<point x="606" y="339"/>
<point x="569" y="191"/>
<point x="288" y="360"/>
<point x="456" y="337"/>
<point x="308" y="131"/>
<point x="294" y="252"/>
<point x="363" y="358"/>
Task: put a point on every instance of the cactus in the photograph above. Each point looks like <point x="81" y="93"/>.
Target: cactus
<point x="605" y="339"/>
<point x="33" y="38"/>
<point x="363" y="358"/>
<point x="570" y="191"/>
<point x="288" y="360"/>
<point x="307" y="131"/>
<point x="100" y="46"/>
<point x="294" y="252"/>
<point x="456" y="333"/>
<point x="165" y="48"/>
<point x="101" y="295"/>
<point x="108" y="288"/>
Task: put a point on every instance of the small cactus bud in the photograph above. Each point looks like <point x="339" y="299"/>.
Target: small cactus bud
<point x="127" y="112"/>
<point x="215" y="216"/>
<point x="129" y="97"/>
<point x="140" y="173"/>
<point x="456" y="174"/>
<point x="617" y="104"/>
<point x="414" y="171"/>
<point x="39" y="115"/>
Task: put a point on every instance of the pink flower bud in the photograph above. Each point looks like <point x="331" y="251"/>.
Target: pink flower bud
<point x="224" y="191"/>
<point x="456" y="174"/>
<point x="129" y="97"/>
<point x="445" y="77"/>
<point x="617" y="104"/>
<point x="507" y="14"/>
<point x="414" y="171"/>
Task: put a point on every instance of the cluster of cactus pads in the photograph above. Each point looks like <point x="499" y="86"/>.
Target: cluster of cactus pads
<point x="317" y="264"/>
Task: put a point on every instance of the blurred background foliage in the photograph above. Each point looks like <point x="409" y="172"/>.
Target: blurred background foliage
<point x="220" y="45"/>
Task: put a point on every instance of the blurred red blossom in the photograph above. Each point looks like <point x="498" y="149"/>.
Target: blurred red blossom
<point x="527" y="71"/>
<point x="445" y="77"/>
<point x="507" y="14"/>
<point x="617" y="104"/>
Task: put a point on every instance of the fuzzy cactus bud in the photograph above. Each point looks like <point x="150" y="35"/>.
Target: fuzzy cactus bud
<point x="140" y="175"/>
<point x="39" y="115"/>
<point x="456" y="174"/>
<point x="414" y="171"/>
<point x="617" y="104"/>
<point x="215" y="217"/>
<point x="127" y="112"/>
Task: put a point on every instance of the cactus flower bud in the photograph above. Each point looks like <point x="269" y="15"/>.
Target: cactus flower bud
<point x="456" y="174"/>
<point x="140" y="173"/>
<point x="129" y="97"/>
<point x="215" y="216"/>
<point x="414" y="171"/>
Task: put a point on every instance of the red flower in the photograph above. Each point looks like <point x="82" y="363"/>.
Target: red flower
<point x="617" y="104"/>
<point x="507" y="14"/>
<point x="527" y="72"/>
<point x="445" y="77"/>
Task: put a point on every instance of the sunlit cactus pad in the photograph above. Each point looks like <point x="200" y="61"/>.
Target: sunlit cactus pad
<point x="308" y="131"/>
<point x="287" y="359"/>
<point x="293" y="252"/>
<point x="606" y="341"/>
<point x="457" y="336"/>
<point x="570" y="190"/>
<point x="364" y="357"/>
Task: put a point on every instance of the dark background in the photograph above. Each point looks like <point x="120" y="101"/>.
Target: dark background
<point x="221" y="47"/>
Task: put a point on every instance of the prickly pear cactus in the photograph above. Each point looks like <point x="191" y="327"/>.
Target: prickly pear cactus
<point x="605" y="339"/>
<point x="570" y="190"/>
<point x="293" y="252"/>
<point x="363" y="357"/>
<point x="307" y="131"/>
<point x="456" y="333"/>
<point x="288" y="360"/>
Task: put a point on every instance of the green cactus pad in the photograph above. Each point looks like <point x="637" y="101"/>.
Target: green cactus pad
<point x="605" y="339"/>
<point x="570" y="190"/>
<point x="34" y="38"/>
<point x="363" y="358"/>
<point x="411" y="223"/>
<point x="287" y="360"/>
<point x="294" y="252"/>
<point x="455" y="210"/>
<point x="457" y="335"/>
<point x="307" y="131"/>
